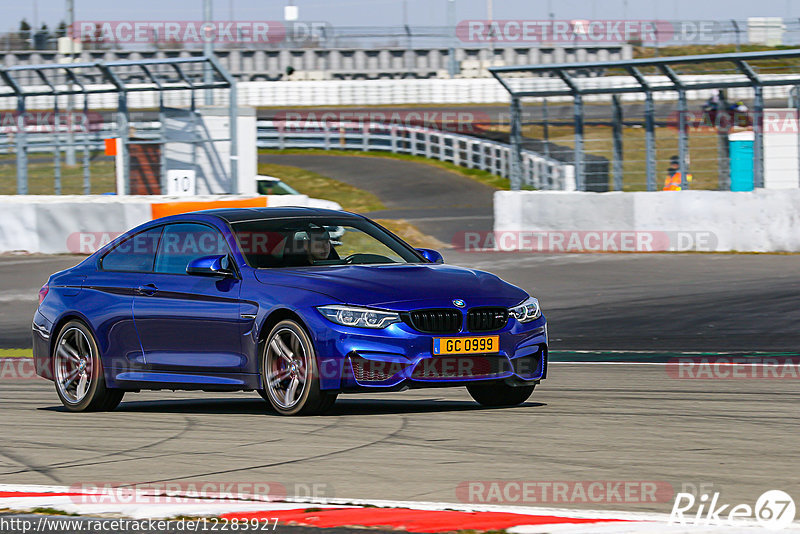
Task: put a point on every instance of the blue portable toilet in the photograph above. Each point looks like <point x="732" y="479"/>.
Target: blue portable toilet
<point x="741" y="151"/>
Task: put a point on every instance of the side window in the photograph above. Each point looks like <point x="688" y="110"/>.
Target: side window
<point x="184" y="242"/>
<point x="135" y="255"/>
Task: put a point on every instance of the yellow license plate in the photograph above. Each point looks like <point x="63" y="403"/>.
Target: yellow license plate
<point x="466" y="345"/>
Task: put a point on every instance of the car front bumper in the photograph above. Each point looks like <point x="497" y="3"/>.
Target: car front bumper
<point x="398" y="357"/>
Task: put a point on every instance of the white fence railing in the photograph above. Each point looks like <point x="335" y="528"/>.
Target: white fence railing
<point x="539" y="172"/>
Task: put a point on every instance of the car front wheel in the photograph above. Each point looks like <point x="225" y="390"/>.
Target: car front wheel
<point x="78" y="371"/>
<point x="499" y="394"/>
<point x="289" y="372"/>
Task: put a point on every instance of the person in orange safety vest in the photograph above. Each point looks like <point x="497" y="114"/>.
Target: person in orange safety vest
<point x="673" y="181"/>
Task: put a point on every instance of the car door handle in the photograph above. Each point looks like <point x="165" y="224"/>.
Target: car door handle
<point x="148" y="290"/>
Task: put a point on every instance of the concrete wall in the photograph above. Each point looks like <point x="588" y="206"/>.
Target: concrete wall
<point x="706" y="221"/>
<point x="82" y="224"/>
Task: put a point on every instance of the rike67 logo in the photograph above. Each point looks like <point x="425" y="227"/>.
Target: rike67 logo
<point x="773" y="510"/>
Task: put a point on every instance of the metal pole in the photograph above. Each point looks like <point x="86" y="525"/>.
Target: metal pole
<point x="22" y="148"/>
<point x="56" y="149"/>
<point x="578" y="111"/>
<point x="650" y="140"/>
<point x="451" y="26"/>
<point x="70" y="151"/>
<point x="546" y="134"/>
<point x="87" y="177"/>
<point x="758" y="142"/>
<point x="617" y="133"/>
<point x="723" y="160"/>
<point x="490" y="17"/>
<point x="738" y="37"/>
<point x="162" y="134"/>
<point x="208" y="51"/>
<point x="122" y="125"/>
<point x="797" y="118"/>
<point x="545" y="128"/>
<point x="515" y="162"/>
<point x="196" y="121"/>
<point x="683" y="139"/>
<point x="234" y="135"/>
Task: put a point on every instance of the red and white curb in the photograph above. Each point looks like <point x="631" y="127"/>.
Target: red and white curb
<point x="410" y="516"/>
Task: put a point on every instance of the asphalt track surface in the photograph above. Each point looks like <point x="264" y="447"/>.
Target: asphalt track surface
<point x="439" y="202"/>
<point x="586" y="422"/>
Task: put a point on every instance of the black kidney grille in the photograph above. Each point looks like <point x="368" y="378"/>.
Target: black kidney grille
<point x="486" y="319"/>
<point x="439" y="321"/>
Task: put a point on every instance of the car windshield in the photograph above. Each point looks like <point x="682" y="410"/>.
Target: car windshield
<point x="275" y="187"/>
<point x="319" y="241"/>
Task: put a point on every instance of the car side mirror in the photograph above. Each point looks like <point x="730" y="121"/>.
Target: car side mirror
<point x="219" y="266"/>
<point x="431" y="255"/>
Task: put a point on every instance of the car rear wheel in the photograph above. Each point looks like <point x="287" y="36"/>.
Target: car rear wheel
<point x="290" y="374"/>
<point x="78" y="371"/>
<point x="499" y="394"/>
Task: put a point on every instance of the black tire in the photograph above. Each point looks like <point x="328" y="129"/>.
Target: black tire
<point x="76" y="356"/>
<point x="288" y="356"/>
<point x="499" y="394"/>
<point x="325" y="407"/>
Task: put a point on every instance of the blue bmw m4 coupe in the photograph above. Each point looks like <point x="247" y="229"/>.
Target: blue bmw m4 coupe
<point x="298" y="304"/>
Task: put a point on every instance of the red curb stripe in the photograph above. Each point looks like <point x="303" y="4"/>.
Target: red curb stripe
<point x="408" y="519"/>
<point x="7" y="494"/>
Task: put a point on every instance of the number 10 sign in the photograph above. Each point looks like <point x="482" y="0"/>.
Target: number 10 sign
<point x="181" y="182"/>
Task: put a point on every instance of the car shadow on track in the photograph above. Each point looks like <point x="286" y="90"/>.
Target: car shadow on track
<point x="355" y="406"/>
<point x="343" y="407"/>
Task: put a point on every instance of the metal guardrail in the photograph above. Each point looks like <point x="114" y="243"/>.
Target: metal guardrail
<point x="28" y="85"/>
<point x="749" y="73"/>
<point x="538" y="172"/>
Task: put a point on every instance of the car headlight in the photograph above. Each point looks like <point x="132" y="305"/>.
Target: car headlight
<point x="527" y="311"/>
<point x="359" y="317"/>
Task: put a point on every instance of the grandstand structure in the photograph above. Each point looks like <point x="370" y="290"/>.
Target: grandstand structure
<point x="315" y="63"/>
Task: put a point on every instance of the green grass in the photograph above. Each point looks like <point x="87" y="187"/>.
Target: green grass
<point x="16" y="353"/>
<point x="318" y="186"/>
<point x="484" y="177"/>
<point x="52" y="511"/>
<point x="788" y="65"/>
<point x="41" y="175"/>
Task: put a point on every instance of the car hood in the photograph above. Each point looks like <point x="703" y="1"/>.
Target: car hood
<point x="395" y="285"/>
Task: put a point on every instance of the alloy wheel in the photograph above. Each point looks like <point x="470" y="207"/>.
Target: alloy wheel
<point x="287" y="365"/>
<point x="74" y="365"/>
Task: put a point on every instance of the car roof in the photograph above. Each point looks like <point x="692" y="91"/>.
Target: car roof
<point x="235" y="215"/>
